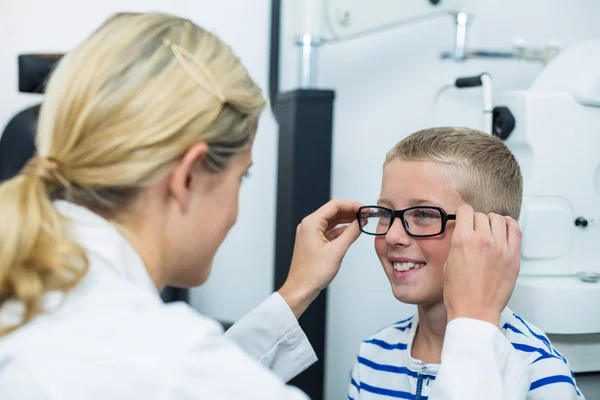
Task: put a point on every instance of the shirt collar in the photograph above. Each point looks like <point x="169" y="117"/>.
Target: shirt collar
<point x="105" y="245"/>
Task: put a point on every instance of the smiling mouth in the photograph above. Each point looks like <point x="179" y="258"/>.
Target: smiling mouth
<point x="406" y="266"/>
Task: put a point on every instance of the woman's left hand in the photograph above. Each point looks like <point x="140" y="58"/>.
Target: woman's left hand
<point x="320" y="246"/>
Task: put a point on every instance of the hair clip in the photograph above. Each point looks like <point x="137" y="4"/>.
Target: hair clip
<point x="181" y="53"/>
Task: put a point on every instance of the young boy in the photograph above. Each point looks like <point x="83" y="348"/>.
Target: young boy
<point x="426" y="177"/>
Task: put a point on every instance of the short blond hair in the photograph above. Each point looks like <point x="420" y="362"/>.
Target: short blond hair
<point x="482" y="169"/>
<point x="120" y="111"/>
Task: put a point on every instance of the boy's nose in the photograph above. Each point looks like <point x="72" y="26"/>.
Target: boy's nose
<point x="397" y="235"/>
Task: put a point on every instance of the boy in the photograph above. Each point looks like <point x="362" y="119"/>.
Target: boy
<point x="426" y="177"/>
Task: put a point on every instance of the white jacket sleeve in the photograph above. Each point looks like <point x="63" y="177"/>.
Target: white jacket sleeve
<point x="217" y="369"/>
<point x="272" y="336"/>
<point x="478" y="362"/>
<point x="200" y="363"/>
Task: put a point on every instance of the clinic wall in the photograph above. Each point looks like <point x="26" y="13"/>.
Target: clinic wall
<point x="384" y="86"/>
<point x="243" y="269"/>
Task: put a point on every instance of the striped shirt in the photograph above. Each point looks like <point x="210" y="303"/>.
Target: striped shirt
<point x="385" y="369"/>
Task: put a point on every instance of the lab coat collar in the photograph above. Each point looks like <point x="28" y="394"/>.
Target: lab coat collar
<point x="105" y="245"/>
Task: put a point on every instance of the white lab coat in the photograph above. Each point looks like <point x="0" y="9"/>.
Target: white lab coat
<point x="113" y="338"/>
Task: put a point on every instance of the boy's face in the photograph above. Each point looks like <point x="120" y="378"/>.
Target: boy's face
<point x="408" y="184"/>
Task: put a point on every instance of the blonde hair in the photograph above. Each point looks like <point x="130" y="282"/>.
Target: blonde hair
<point x="482" y="169"/>
<point x="120" y="110"/>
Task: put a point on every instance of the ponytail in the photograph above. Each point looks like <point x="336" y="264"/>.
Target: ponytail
<point x="36" y="255"/>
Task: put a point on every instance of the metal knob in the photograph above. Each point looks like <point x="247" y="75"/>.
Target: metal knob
<point x="589" y="277"/>
<point x="582" y="222"/>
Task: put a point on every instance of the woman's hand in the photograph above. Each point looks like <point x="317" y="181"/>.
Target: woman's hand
<point x="318" y="252"/>
<point x="482" y="266"/>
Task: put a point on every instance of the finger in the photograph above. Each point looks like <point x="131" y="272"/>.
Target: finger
<point x="336" y="207"/>
<point x="341" y="218"/>
<point x="482" y="223"/>
<point x="335" y="233"/>
<point x="514" y="236"/>
<point x="348" y="236"/>
<point x="464" y="219"/>
<point x="499" y="228"/>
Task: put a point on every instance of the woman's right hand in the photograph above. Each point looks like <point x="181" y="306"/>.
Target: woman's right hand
<point x="320" y="246"/>
<point x="482" y="266"/>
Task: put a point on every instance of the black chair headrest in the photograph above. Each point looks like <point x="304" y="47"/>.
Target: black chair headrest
<point x="34" y="70"/>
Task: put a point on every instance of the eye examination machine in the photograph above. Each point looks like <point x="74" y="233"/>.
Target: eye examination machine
<point x="552" y="128"/>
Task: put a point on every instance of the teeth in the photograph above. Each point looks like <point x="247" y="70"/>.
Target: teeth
<point x="405" y="266"/>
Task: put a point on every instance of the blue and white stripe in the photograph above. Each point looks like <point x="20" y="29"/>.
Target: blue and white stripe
<point x="385" y="369"/>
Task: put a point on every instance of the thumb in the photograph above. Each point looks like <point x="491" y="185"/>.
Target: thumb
<point x="514" y="235"/>
<point x="351" y="233"/>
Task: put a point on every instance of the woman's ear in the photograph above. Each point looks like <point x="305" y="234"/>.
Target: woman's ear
<point x="180" y="182"/>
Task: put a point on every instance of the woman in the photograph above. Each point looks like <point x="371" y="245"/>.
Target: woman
<point x="144" y="138"/>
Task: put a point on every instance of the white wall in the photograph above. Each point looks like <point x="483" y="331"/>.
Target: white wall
<point x="384" y="85"/>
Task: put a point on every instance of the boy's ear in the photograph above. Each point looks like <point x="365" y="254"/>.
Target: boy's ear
<point x="184" y="173"/>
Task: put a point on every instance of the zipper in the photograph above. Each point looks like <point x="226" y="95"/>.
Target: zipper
<point x="420" y="382"/>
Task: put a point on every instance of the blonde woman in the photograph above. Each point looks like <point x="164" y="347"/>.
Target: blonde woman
<point x="144" y="138"/>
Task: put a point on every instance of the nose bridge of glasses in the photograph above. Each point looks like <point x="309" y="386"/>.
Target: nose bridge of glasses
<point x="400" y="216"/>
<point x="398" y="222"/>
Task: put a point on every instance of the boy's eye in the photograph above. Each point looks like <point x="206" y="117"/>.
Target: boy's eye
<point x="426" y="214"/>
<point x="375" y="214"/>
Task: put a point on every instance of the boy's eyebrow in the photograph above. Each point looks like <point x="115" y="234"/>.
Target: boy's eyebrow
<point x="420" y="202"/>
<point x="411" y="202"/>
<point x="384" y="202"/>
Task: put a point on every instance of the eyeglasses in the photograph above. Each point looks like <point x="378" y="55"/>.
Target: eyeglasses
<point x="422" y="221"/>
